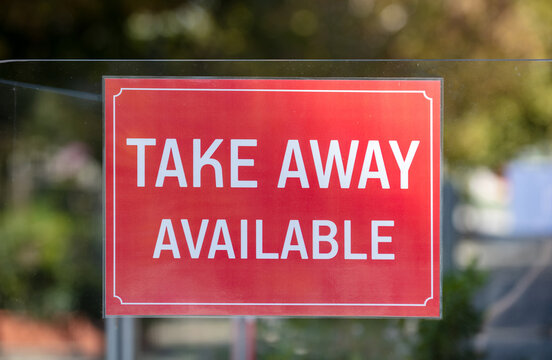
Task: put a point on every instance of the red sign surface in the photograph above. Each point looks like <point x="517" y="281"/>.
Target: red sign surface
<point x="272" y="197"/>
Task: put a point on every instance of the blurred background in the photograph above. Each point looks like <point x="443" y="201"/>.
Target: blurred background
<point x="497" y="179"/>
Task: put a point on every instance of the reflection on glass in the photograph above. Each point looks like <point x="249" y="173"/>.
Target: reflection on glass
<point x="497" y="233"/>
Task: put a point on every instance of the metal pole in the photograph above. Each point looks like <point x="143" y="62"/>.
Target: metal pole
<point x="243" y="347"/>
<point x="128" y="338"/>
<point x="250" y="337"/>
<point x="112" y="339"/>
<point x="239" y="343"/>
<point x="120" y="338"/>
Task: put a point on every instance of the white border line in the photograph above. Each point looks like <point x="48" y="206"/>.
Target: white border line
<point x="282" y="90"/>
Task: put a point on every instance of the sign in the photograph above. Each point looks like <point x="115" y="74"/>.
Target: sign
<point x="272" y="197"/>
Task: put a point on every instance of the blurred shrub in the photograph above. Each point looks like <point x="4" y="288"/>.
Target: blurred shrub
<point x="450" y="337"/>
<point x="35" y="269"/>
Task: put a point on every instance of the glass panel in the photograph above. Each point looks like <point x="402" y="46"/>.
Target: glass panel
<point x="496" y="227"/>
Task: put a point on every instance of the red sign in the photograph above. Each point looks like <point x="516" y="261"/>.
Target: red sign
<point x="272" y="197"/>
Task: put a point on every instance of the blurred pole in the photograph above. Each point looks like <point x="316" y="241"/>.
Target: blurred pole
<point x="251" y="337"/>
<point x="128" y="338"/>
<point x="450" y="235"/>
<point x="112" y="338"/>
<point x="243" y="347"/>
<point x="120" y="338"/>
<point x="238" y="345"/>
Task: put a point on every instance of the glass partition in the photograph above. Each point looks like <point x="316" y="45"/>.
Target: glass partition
<point x="496" y="219"/>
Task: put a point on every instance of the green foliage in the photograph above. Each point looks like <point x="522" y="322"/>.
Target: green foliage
<point x="497" y="117"/>
<point x="329" y="339"/>
<point x="35" y="270"/>
<point x="284" y="29"/>
<point x="450" y="337"/>
<point x="47" y="266"/>
<point x="50" y="225"/>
